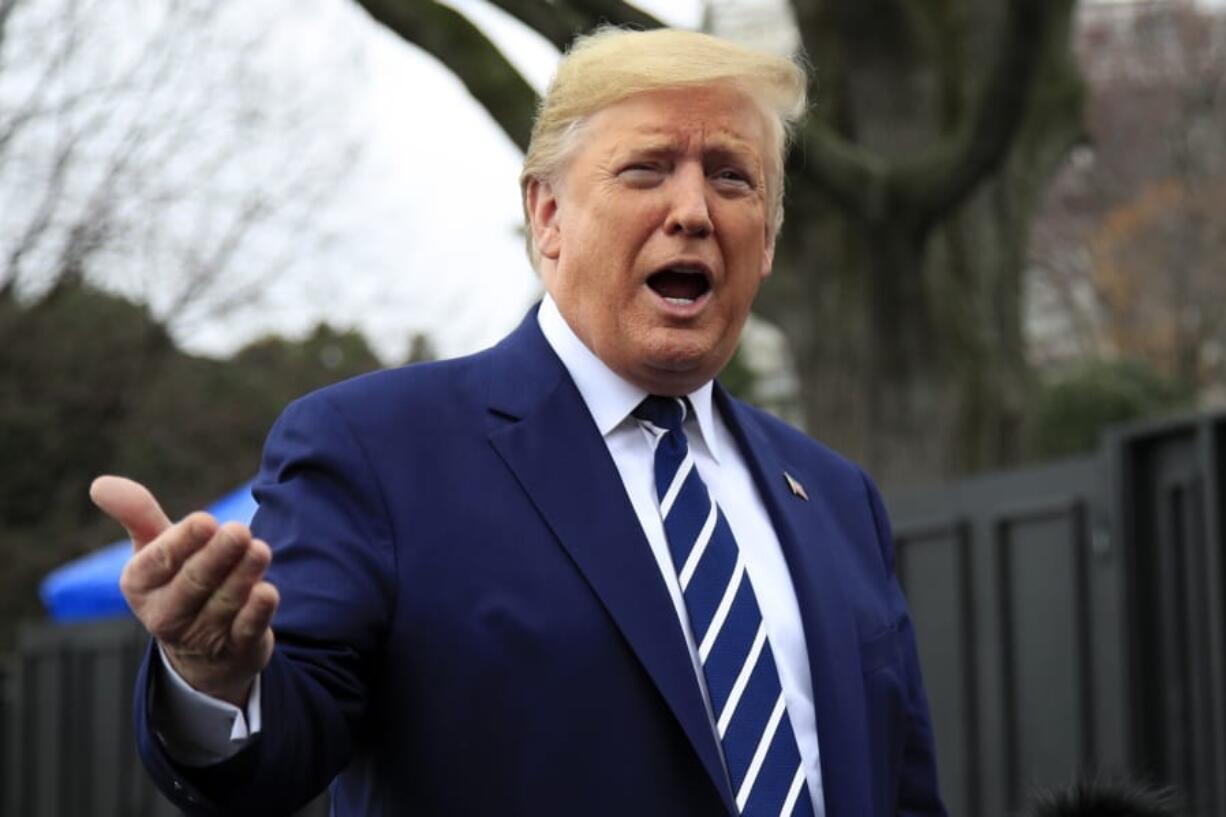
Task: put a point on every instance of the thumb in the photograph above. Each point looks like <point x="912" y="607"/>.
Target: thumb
<point x="131" y="505"/>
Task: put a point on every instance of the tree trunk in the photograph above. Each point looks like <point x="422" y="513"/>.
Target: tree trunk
<point x="905" y="317"/>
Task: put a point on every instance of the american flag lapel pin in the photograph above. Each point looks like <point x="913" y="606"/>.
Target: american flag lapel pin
<point x="797" y="488"/>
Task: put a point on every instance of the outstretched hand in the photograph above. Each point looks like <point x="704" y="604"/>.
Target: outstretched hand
<point x="197" y="587"/>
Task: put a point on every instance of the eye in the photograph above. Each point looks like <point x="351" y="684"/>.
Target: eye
<point x="733" y="178"/>
<point x="641" y="175"/>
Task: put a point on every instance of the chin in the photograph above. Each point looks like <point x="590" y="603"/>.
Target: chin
<point x="677" y="359"/>
<point x="682" y="359"/>
<point x="677" y="375"/>
<point x="680" y="347"/>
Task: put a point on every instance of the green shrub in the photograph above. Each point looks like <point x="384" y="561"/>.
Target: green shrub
<point x="1076" y="406"/>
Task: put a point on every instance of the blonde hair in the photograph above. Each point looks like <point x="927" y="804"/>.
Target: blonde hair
<point x="612" y="64"/>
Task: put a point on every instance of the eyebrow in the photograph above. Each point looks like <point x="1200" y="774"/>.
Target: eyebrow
<point x="656" y="147"/>
<point x="719" y="147"/>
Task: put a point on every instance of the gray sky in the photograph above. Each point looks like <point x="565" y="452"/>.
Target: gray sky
<point x="427" y="227"/>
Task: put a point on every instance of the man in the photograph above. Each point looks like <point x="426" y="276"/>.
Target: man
<point x="567" y="575"/>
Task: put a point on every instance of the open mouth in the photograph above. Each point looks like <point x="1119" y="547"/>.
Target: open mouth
<point x="680" y="285"/>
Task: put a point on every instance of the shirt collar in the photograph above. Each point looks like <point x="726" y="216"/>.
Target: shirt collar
<point x="609" y="397"/>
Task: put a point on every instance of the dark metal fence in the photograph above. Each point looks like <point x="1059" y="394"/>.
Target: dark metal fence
<point x="72" y="750"/>
<point x="1171" y="487"/>
<point x="69" y="747"/>
<point x="1012" y="582"/>
<point x="8" y="699"/>
<point x="1071" y="620"/>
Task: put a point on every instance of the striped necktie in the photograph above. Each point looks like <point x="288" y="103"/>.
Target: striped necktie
<point x="759" y="746"/>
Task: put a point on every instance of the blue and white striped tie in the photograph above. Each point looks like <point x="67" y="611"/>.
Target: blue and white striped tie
<point x="742" y="680"/>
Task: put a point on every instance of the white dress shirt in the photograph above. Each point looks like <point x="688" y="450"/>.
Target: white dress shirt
<point x="198" y="730"/>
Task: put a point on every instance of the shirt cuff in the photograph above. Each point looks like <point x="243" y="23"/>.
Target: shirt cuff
<point x="197" y="729"/>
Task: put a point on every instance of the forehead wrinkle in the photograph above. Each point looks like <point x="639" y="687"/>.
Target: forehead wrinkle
<point x="715" y="140"/>
<point x="651" y="145"/>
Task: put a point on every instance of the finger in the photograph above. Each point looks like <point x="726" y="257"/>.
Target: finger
<point x="254" y="618"/>
<point x="206" y="569"/>
<point x="131" y="505"/>
<point x="160" y="561"/>
<point x="219" y="611"/>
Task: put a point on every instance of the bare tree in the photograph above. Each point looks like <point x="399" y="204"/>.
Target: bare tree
<point x="1129" y="251"/>
<point x="152" y="147"/>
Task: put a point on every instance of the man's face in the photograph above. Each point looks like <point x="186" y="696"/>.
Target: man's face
<point x="655" y="240"/>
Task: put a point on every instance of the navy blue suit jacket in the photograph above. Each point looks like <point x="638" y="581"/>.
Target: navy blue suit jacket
<point x="472" y="621"/>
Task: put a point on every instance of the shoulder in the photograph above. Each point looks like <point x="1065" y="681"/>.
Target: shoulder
<point x="368" y="428"/>
<point x="402" y="395"/>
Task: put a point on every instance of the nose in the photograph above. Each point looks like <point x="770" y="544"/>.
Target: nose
<point x="689" y="215"/>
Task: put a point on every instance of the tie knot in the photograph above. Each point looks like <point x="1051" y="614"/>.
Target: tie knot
<point x="667" y="413"/>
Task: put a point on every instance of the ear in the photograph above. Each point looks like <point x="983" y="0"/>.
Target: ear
<point x="768" y="254"/>
<point x="543" y="216"/>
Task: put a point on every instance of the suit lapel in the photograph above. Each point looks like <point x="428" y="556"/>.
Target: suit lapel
<point x="806" y="533"/>
<point x="546" y="436"/>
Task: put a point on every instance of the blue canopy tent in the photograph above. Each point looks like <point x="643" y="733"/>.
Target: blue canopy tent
<point x="88" y="587"/>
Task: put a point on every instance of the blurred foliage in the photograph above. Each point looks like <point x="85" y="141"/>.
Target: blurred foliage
<point x="1129" y="253"/>
<point x="90" y="383"/>
<point x="1076" y="407"/>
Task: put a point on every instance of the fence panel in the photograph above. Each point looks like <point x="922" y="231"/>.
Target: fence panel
<point x="1072" y="618"/>
<point x="8" y="738"/>
<point x="73" y="751"/>
<point x="1010" y="580"/>
<point x="1170" y="501"/>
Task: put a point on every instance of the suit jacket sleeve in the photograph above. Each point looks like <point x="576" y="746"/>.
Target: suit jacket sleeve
<point x="323" y="513"/>
<point x="918" y="794"/>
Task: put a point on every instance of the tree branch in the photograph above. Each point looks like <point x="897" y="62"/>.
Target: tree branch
<point x="7" y="7"/>
<point x="615" y="12"/>
<point x="826" y="55"/>
<point x="556" y="22"/>
<point x="940" y="180"/>
<point x="560" y="22"/>
<point x="873" y="188"/>
<point x="853" y="176"/>
<point x="451" y="38"/>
